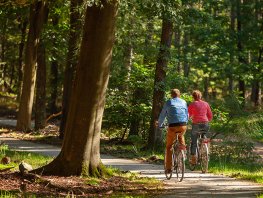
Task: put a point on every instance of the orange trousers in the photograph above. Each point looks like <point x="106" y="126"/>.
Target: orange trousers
<point x="171" y="135"/>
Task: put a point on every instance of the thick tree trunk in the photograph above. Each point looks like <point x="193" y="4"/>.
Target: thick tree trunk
<point x="54" y="72"/>
<point x="72" y="57"/>
<point x="80" y="152"/>
<point x="23" y="27"/>
<point x="37" y="11"/>
<point x="155" y="137"/>
<point x="54" y="87"/>
<point x="40" y="104"/>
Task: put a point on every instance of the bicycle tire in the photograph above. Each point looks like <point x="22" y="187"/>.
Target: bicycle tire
<point x="180" y="166"/>
<point x="168" y="175"/>
<point x="204" y="158"/>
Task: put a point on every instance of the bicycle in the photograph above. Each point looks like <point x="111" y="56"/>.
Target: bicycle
<point x="202" y="151"/>
<point x="178" y="160"/>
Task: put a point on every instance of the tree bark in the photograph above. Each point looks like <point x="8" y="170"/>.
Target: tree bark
<point x="54" y="71"/>
<point x="72" y="57"/>
<point x="80" y="154"/>
<point x="177" y="44"/>
<point x="37" y="11"/>
<point x="241" y="82"/>
<point x="232" y="32"/>
<point x="23" y="27"/>
<point x="185" y="52"/>
<point x="155" y="137"/>
<point x="40" y="104"/>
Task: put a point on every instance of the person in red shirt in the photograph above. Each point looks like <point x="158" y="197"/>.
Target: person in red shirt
<point x="201" y="114"/>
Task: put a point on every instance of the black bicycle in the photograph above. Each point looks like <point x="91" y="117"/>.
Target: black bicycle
<point x="178" y="161"/>
<point x="202" y="152"/>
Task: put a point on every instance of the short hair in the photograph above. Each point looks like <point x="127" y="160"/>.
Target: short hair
<point x="175" y="92"/>
<point x="197" y="95"/>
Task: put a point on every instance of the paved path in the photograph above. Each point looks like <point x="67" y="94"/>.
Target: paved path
<point x="195" y="184"/>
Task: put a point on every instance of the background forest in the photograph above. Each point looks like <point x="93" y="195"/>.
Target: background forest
<point x="214" y="46"/>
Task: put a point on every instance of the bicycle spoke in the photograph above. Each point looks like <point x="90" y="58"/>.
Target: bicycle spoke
<point x="180" y="166"/>
<point x="168" y="175"/>
<point x="204" y="158"/>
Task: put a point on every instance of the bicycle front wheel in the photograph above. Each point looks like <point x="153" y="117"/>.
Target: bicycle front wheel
<point x="180" y="166"/>
<point x="204" y="158"/>
<point x="168" y="175"/>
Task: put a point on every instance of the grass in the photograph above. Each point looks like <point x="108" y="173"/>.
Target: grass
<point x="150" y="184"/>
<point x="35" y="160"/>
<point x="254" y="174"/>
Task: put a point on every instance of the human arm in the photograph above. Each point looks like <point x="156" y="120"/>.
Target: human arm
<point x="162" y="115"/>
<point x="209" y="113"/>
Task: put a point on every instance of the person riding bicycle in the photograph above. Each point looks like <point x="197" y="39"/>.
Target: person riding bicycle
<point x="201" y="114"/>
<point x="175" y="110"/>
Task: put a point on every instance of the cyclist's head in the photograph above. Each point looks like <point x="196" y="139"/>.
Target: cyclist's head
<point x="197" y="95"/>
<point x="175" y="93"/>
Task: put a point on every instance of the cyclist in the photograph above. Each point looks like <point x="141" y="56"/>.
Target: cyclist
<point x="175" y="109"/>
<point x="201" y="114"/>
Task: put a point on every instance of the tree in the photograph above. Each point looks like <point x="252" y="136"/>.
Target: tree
<point x="160" y="74"/>
<point x="80" y="152"/>
<point x="36" y="18"/>
<point x="72" y="57"/>
<point x="40" y="104"/>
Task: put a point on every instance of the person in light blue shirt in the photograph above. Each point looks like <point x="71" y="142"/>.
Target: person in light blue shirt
<point x="176" y="112"/>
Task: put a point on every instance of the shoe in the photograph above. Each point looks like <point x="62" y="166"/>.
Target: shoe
<point x="193" y="159"/>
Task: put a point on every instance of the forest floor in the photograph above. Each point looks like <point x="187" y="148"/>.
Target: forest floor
<point x="195" y="184"/>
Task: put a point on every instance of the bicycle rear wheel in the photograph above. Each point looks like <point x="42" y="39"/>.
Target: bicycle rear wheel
<point x="191" y="166"/>
<point x="204" y="158"/>
<point x="180" y="166"/>
<point x="168" y="175"/>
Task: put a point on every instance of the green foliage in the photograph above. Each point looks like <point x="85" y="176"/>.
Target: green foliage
<point x="236" y="159"/>
<point x="234" y="152"/>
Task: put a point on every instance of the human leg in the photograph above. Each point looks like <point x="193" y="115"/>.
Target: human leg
<point x="168" y="154"/>
<point x="194" y="136"/>
<point x="182" y="130"/>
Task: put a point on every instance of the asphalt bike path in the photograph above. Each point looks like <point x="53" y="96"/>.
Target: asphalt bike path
<point x="195" y="184"/>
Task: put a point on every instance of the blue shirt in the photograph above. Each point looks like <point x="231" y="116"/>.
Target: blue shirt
<point x="175" y="110"/>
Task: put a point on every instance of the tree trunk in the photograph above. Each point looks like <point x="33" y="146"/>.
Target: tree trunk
<point x="37" y="11"/>
<point x="232" y="32"/>
<point x="155" y="137"/>
<point x="54" y="72"/>
<point x="2" y="54"/>
<point x="72" y="57"/>
<point x="40" y="104"/>
<point x="177" y="45"/>
<point x="23" y="27"/>
<point x="241" y="82"/>
<point x="185" y="51"/>
<point x="148" y="41"/>
<point x="80" y="154"/>
<point x="206" y="85"/>
<point x="54" y="87"/>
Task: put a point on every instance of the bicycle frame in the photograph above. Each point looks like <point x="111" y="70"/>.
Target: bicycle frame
<point x="202" y="151"/>
<point x="178" y="160"/>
